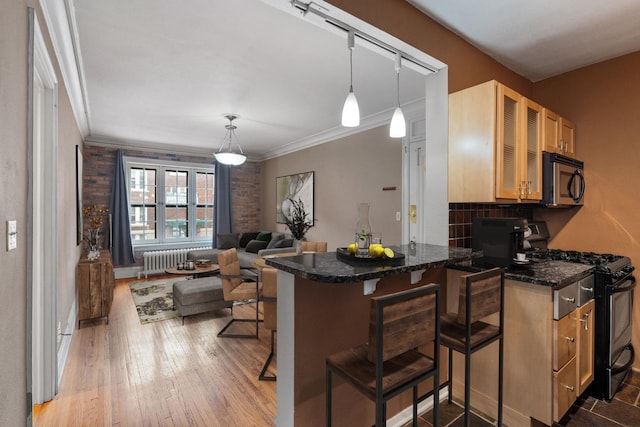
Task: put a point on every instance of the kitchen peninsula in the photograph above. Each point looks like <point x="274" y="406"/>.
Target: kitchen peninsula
<point x="323" y="308"/>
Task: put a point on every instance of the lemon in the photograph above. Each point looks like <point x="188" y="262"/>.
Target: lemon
<point x="388" y="252"/>
<point x="376" y="250"/>
<point x="352" y="248"/>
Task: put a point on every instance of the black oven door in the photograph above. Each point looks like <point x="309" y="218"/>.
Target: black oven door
<point x="621" y="312"/>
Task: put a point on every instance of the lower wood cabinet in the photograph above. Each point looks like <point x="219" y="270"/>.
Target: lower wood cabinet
<point x="94" y="286"/>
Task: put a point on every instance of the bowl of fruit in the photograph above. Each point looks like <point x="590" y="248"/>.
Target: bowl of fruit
<point x="378" y="255"/>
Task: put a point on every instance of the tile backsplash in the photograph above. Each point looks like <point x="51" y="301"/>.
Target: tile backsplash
<point x="461" y="214"/>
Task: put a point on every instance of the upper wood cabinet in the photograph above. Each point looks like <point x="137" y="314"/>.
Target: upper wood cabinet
<point x="558" y="134"/>
<point x="495" y="145"/>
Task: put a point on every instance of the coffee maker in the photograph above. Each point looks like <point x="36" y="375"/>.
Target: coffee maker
<point x="499" y="239"/>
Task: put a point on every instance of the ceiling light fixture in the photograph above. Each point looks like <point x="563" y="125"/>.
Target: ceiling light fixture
<point x="229" y="157"/>
<point x="350" y="111"/>
<point x="398" y="127"/>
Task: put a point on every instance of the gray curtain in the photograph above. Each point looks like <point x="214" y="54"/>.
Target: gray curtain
<point x="122" y="248"/>
<point x="222" y="200"/>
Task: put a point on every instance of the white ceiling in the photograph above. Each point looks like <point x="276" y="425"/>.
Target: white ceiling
<point x="542" y="38"/>
<point x="165" y="72"/>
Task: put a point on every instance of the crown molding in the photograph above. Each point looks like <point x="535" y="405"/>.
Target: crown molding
<point x="59" y="17"/>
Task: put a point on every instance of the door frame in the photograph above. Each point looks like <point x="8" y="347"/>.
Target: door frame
<point x="42" y="253"/>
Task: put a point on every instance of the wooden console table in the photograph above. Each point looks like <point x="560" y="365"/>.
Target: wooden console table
<point x="94" y="286"/>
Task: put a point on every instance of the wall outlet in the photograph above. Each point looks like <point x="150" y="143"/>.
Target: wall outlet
<point x="12" y="235"/>
<point x="397" y="216"/>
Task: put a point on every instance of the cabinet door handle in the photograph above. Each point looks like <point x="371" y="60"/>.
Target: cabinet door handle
<point x="570" y="339"/>
<point x="585" y="320"/>
<point x="528" y="187"/>
<point x="568" y="387"/>
<point x="571" y="300"/>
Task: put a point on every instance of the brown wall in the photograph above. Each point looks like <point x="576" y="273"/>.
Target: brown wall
<point x="603" y="102"/>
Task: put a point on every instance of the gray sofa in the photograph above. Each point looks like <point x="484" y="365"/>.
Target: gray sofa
<point x="249" y="246"/>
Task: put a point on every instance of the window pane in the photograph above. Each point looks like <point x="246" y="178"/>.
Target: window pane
<point x="143" y="223"/>
<point x="176" y="223"/>
<point x="204" y="221"/>
<point x="142" y="196"/>
<point x="176" y="185"/>
<point x="204" y="211"/>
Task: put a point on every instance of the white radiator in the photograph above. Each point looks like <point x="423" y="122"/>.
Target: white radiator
<point x="157" y="261"/>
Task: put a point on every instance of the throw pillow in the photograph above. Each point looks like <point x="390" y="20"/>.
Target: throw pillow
<point x="227" y="241"/>
<point x="246" y="238"/>
<point x="255" y="245"/>
<point x="264" y="236"/>
<point x="275" y="238"/>
<point x="284" y="243"/>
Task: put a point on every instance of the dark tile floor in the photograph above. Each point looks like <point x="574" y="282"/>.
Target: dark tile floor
<point x="623" y="410"/>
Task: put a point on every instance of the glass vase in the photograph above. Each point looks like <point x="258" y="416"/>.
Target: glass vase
<point x="363" y="231"/>
<point x="94" y="239"/>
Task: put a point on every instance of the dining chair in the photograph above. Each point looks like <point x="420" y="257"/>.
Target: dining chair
<point x="237" y="285"/>
<point x="314" y="246"/>
<point x="269" y="305"/>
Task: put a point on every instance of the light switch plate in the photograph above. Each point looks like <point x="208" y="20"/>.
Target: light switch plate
<point x="12" y="235"/>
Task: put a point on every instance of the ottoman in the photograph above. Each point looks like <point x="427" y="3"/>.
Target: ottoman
<point x="194" y="296"/>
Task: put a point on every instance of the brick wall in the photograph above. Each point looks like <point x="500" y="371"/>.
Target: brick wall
<point x="97" y="179"/>
<point x="461" y="214"/>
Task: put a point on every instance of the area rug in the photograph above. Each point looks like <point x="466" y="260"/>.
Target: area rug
<point x="154" y="300"/>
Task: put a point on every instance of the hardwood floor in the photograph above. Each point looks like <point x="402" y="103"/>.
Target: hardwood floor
<point x="162" y="373"/>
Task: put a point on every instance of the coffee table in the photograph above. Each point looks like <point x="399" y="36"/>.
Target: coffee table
<point x="198" y="271"/>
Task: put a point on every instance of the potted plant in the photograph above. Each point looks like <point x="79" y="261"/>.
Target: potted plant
<point x="297" y="221"/>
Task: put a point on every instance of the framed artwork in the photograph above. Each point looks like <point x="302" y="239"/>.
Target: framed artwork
<point x="78" y="195"/>
<point x="297" y="187"/>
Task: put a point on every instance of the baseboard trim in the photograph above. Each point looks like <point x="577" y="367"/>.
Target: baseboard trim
<point x="403" y="417"/>
<point x="127" y="272"/>
<point x="65" y="341"/>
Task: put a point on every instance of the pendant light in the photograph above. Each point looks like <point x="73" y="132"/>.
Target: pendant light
<point x="228" y="156"/>
<point x="398" y="127"/>
<point x="350" y="111"/>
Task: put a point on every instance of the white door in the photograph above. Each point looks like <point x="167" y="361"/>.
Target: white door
<point x="416" y="204"/>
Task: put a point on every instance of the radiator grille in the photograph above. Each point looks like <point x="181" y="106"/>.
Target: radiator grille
<point x="157" y="261"/>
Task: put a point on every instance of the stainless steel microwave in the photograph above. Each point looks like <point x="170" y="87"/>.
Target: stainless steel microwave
<point x="563" y="182"/>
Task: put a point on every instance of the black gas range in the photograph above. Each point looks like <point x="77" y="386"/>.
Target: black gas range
<point x="613" y="296"/>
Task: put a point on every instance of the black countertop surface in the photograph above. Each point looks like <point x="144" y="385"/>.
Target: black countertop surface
<point x="555" y="274"/>
<point x="326" y="267"/>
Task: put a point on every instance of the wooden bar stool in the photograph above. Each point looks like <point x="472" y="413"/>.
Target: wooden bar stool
<point x="390" y="362"/>
<point x="319" y="247"/>
<point x="481" y="295"/>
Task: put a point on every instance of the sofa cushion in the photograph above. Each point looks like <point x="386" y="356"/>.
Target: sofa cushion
<point x="227" y="241"/>
<point x="264" y="236"/>
<point x="246" y="238"/>
<point x="284" y="243"/>
<point x="275" y="238"/>
<point x="255" y="245"/>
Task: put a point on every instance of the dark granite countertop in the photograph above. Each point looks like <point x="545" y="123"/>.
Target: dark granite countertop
<point x="326" y="267"/>
<point x="555" y="274"/>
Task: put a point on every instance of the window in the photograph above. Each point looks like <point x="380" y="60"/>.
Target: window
<point x="170" y="202"/>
